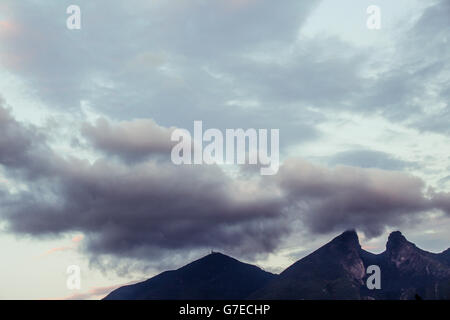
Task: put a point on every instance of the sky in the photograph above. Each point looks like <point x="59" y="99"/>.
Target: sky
<point x="86" y="117"/>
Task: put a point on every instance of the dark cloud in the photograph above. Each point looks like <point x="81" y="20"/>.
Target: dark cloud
<point x="130" y="140"/>
<point x="23" y="146"/>
<point x="330" y="200"/>
<point x="370" y="159"/>
<point x="134" y="210"/>
<point x="442" y="201"/>
<point x="140" y="211"/>
<point x="14" y="139"/>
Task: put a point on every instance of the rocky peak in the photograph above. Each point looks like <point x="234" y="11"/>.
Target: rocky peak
<point x="348" y="248"/>
<point x="404" y="253"/>
<point x="348" y="239"/>
<point x="398" y="245"/>
<point x="396" y="239"/>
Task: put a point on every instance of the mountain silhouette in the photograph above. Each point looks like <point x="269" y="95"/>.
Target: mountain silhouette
<point x="335" y="271"/>
<point x="338" y="271"/>
<point x="409" y="272"/>
<point x="213" y="277"/>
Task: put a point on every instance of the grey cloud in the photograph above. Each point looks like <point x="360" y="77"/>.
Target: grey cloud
<point x="165" y="70"/>
<point x="192" y="58"/>
<point x="444" y="181"/>
<point x="417" y="76"/>
<point x="321" y="72"/>
<point x="348" y="197"/>
<point x="436" y="122"/>
<point x="172" y="34"/>
<point x="131" y="140"/>
<point x="370" y="159"/>
<point x="442" y="201"/>
<point x="201" y="29"/>
<point x="14" y="140"/>
<point x="138" y="212"/>
<point x="432" y="26"/>
<point x="22" y="147"/>
<point x="135" y="211"/>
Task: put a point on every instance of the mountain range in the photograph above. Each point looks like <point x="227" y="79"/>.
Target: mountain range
<point x="337" y="270"/>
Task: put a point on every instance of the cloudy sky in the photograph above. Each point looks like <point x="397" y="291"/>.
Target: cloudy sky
<point x="86" y="117"/>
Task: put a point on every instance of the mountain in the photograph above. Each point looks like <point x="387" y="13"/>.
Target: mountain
<point x="213" y="277"/>
<point x="444" y="257"/>
<point x="336" y="270"/>
<point x="408" y="271"/>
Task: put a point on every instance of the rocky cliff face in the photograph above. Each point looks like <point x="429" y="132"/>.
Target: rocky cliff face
<point x="408" y="258"/>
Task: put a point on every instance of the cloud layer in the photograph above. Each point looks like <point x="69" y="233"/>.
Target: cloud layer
<point x="351" y="197"/>
<point x="231" y="64"/>
<point x="150" y="208"/>
<point x="130" y="140"/>
<point x="132" y="210"/>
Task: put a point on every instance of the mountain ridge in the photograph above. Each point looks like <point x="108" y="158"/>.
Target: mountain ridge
<point x="335" y="271"/>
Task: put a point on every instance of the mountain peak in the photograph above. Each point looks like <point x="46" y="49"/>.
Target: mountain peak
<point x="215" y="258"/>
<point x="350" y="233"/>
<point x="215" y="276"/>
<point x="397" y="235"/>
<point x="212" y="261"/>
<point x="217" y="255"/>
<point x="333" y="270"/>
<point x="348" y="238"/>
<point x="396" y="240"/>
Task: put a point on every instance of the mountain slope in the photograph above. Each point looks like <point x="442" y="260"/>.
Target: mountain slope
<point x="444" y="257"/>
<point x="334" y="271"/>
<point x="213" y="277"/>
